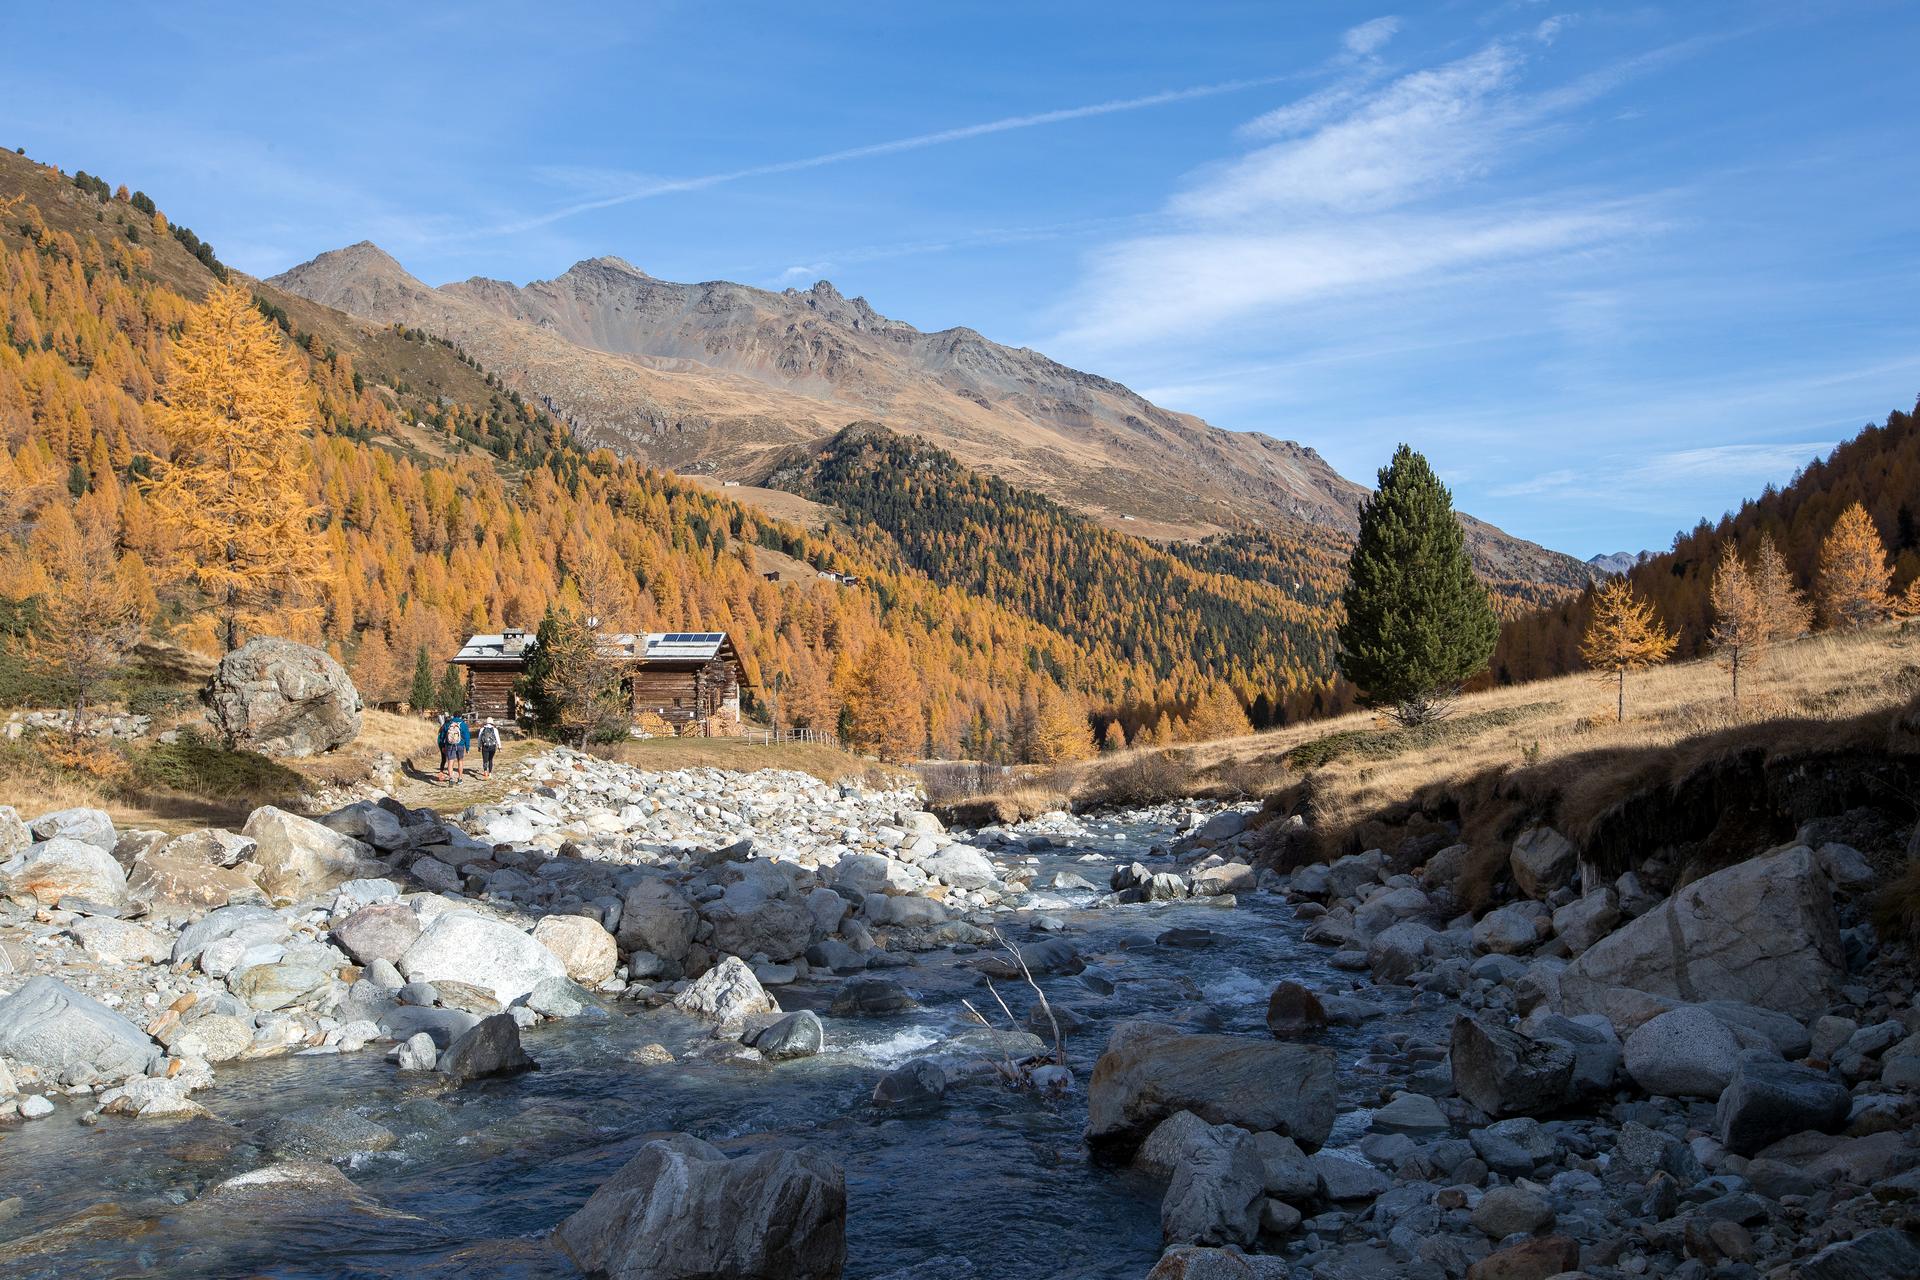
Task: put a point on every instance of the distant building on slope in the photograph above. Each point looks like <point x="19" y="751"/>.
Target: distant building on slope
<point x="684" y="677"/>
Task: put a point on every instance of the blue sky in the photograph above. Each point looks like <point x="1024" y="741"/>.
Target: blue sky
<point x="1613" y="267"/>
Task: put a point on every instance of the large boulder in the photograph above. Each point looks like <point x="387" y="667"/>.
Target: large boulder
<point x="727" y="994"/>
<point x="1542" y="861"/>
<point x="680" y="1209"/>
<point x="90" y="826"/>
<point x="1688" y="1053"/>
<point x="71" y="1038"/>
<point x="176" y="882"/>
<point x="962" y="866"/>
<point x="864" y="873"/>
<point x="656" y="917"/>
<point x="282" y="699"/>
<point x="382" y="931"/>
<point x="65" y="868"/>
<point x="492" y="1048"/>
<point x="1150" y="1070"/>
<point x="462" y="946"/>
<point x="773" y="927"/>
<point x="14" y="834"/>
<point x="1505" y="1073"/>
<point x="582" y="945"/>
<point x="298" y="858"/>
<point x="1768" y="1099"/>
<point x="1762" y="932"/>
<point x="1217" y="1189"/>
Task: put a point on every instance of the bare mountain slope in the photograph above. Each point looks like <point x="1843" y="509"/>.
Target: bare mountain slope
<point x="722" y="379"/>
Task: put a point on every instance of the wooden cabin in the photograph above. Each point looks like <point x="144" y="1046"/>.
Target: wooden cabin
<point x="684" y="677"/>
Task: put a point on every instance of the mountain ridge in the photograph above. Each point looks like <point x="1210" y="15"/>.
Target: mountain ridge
<point x="713" y="377"/>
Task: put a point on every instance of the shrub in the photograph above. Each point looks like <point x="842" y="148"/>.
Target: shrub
<point x="1148" y="778"/>
<point x="198" y="767"/>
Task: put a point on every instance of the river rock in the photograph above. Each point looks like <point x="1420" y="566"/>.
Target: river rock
<point x="64" y="868"/>
<point x="119" y="941"/>
<point x="324" y="1133"/>
<point x="775" y="928"/>
<point x="15" y="835"/>
<point x="1597" y="1052"/>
<point x="69" y="1037"/>
<point x="250" y="925"/>
<point x="655" y="917"/>
<point x="1688" y="1053"/>
<point x="681" y="1209"/>
<point x="1506" y="1211"/>
<point x="1874" y="1255"/>
<point x="1506" y="931"/>
<point x="176" y="883"/>
<point x="1542" y="861"/>
<point x="1395" y="953"/>
<point x="1535" y="1259"/>
<point x="418" y="1053"/>
<point x="962" y="866"/>
<point x="1217" y="1189"/>
<point x="1587" y="919"/>
<point x="916" y="1083"/>
<point x="462" y="946"/>
<point x="1505" y="1073"/>
<point x="298" y="858"/>
<point x="1193" y="1262"/>
<point x="1767" y="1099"/>
<point x="1151" y="1070"/>
<point x="491" y="1048"/>
<point x="868" y="997"/>
<point x="728" y="993"/>
<point x="864" y="873"/>
<point x="582" y="945"/>
<point x="383" y="931"/>
<point x="1294" y="1010"/>
<point x="1762" y="932"/>
<point x="798" y="1035"/>
<point x="275" y="986"/>
<point x="282" y="699"/>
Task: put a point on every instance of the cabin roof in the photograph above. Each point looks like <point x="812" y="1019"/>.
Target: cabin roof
<point x="643" y="646"/>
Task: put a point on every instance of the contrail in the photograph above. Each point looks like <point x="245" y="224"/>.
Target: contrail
<point x="670" y="186"/>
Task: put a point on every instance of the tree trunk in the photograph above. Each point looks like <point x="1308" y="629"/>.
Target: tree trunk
<point x="1621" y="710"/>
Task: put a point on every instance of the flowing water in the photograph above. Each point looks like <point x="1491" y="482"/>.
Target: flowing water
<point x="991" y="1183"/>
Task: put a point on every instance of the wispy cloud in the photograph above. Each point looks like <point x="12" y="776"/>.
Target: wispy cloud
<point x="1365" y="39"/>
<point x="1371" y="182"/>
<point x="650" y="188"/>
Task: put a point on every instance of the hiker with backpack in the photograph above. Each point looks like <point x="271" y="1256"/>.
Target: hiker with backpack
<point x="455" y="738"/>
<point x="489" y="744"/>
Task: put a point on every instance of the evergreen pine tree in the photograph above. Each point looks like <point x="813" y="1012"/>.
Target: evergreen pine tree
<point x="1418" y="621"/>
<point x="420" y="696"/>
<point x="451" y="696"/>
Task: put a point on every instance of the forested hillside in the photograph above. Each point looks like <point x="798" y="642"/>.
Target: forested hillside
<point x="1879" y="468"/>
<point x="448" y="504"/>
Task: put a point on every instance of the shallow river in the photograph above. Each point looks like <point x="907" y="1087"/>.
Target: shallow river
<point x="991" y="1184"/>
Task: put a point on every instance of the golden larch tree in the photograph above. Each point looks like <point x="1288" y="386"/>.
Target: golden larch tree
<point x="1786" y="610"/>
<point x="1624" y="636"/>
<point x="1218" y="714"/>
<point x="87" y="613"/>
<point x="1060" y="728"/>
<point x="230" y="501"/>
<point x="883" y="702"/>
<point x="1741" y="629"/>
<point x="1854" y="576"/>
<point x="1115" y="737"/>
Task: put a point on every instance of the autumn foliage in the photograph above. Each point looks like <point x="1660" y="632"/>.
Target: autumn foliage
<point x="1624" y="636"/>
<point x="1854" y="576"/>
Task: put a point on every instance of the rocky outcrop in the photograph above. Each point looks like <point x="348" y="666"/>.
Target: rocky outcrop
<point x="298" y="858"/>
<point x="69" y="1037"/>
<point x="1762" y="933"/>
<point x="282" y="699"/>
<point x="680" y="1208"/>
<point x="65" y="868"/>
<point x="1150" y="1070"/>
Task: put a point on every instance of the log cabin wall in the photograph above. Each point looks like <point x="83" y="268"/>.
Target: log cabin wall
<point x="491" y="693"/>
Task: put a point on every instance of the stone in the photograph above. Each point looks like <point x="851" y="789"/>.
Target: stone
<point x="586" y="949"/>
<point x="728" y="993"/>
<point x="1167" y="1145"/>
<point x="119" y="941"/>
<point x="1411" y="1113"/>
<point x="1506" y="931"/>
<point x="1587" y="919"/>
<point x="1767" y="1099"/>
<point x="1227" y="877"/>
<point x="275" y="986"/>
<point x="1278" y="1218"/>
<point x="383" y="931"/>
<point x="462" y="946"/>
<point x="35" y="1107"/>
<point x="490" y="1048"/>
<point x="915" y="1083"/>
<point x="1150" y="1070"/>
<point x="249" y="925"/>
<point x="798" y="1035"/>
<point x="1514" y="1147"/>
<point x="88" y="826"/>
<point x="1395" y="953"/>
<point x="324" y="1133"/>
<point x="1290" y="1174"/>
<point x="286" y="1186"/>
<point x="15" y="835"/>
<point x="1873" y="1255"/>
<point x="1505" y="1073"/>
<point x="1542" y="861"/>
<point x="1342" y="1178"/>
<point x="1294" y="1010"/>
<point x="773" y="928"/>
<point x="436" y="875"/>
<point x="866" y="997"/>
<point x="657" y="918"/>
<point x="1506" y="1211"/>
<point x="680" y="1208"/>
<point x="1597" y="1053"/>
<point x="1195" y="1262"/>
<point x="1762" y="932"/>
<point x="1216" y="1191"/>
<point x="1536" y="1259"/>
<point x="216" y="1037"/>
<point x="1222" y="826"/>
<point x="298" y="858"/>
<point x="1687" y="1053"/>
<point x="418" y="1053"/>
<point x="282" y="699"/>
<point x="69" y="1037"/>
<point x="177" y="883"/>
<point x="865" y="873"/>
<point x="962" y="866"/>
<point x="64" y="868"/>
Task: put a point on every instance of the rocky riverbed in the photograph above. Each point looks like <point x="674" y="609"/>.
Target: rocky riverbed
<point x="758" y="1025"/>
